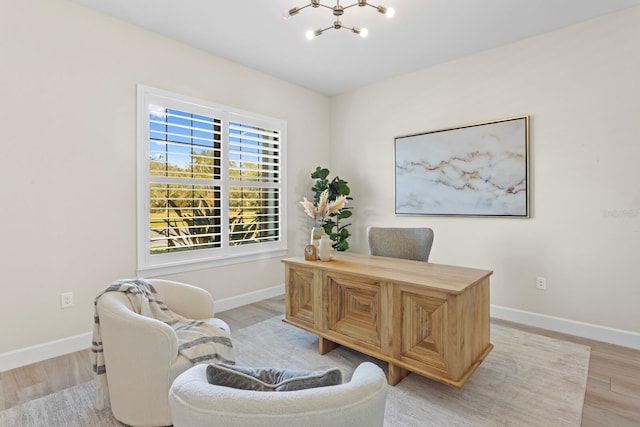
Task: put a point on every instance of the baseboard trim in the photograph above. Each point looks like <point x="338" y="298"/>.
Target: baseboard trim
<point x="244" y="299"/>
<point x="580" y="329"/>
<point x="48" y="350"/>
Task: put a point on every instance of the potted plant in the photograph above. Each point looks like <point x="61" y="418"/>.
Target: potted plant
<point x="334" y="193"/>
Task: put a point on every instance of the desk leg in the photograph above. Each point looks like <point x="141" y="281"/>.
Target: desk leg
<point x="396" y="374"/>
<point x="325" y="346"/>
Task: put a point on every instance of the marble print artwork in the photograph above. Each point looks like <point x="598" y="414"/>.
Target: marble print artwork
<point x="473" y="170"/>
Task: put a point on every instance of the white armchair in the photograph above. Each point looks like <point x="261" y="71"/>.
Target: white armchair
<point x="360" y="402"/>
<point x="141" y="354"/>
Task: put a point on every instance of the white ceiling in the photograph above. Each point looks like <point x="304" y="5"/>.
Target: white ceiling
<point x="422" y="33"/>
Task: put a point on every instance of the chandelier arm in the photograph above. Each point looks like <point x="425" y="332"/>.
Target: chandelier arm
<point x="325" y="29"/>
<point x="351" y="5"/>
<point x="324" y="5"/>
<point x="299" y="9"/>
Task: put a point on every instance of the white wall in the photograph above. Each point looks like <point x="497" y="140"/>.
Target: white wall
<point x="581" y="88"/>
<point x="68" y="81"/>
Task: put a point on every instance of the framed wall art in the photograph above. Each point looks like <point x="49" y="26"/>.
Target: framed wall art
<point x="473" y="170"/>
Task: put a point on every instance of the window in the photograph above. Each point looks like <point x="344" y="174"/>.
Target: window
<point x="210" y="184"/>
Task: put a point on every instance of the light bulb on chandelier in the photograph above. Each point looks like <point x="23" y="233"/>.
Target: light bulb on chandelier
<point x="338" y="11"/>
<point x="362" y="32"/>
<point x="387" y="11"/>
<point x="313" y="34"/>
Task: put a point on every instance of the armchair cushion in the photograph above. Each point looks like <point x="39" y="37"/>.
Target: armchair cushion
<point x="270" y="379"/>
<point x="359" y="402"/>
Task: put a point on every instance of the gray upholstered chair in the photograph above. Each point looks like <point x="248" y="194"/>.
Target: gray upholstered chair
<point x="360" y="402"/>
<point x="405" y="243"/>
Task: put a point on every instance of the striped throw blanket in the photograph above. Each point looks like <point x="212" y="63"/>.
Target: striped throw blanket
<point x="198" y="341"/>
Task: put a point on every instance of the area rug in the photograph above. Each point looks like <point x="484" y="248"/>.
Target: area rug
<point x="527" y="380"/>
<point x="70" y="407"/>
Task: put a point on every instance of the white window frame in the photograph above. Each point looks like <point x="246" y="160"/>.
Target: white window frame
<point x="158" y="264"/>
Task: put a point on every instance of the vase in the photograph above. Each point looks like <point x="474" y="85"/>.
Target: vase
<point x="316" y="234"/>
<point x="326" y="248"/>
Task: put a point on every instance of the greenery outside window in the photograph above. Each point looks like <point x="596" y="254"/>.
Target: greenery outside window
<point x="210" y="184"/>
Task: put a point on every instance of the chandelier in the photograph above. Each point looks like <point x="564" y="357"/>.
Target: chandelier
<point x="338" y="11"/>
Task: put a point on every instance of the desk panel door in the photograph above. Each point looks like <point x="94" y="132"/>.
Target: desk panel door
<point x="355" y="306"/>
<point x="303" y="293"/>
<point x="423" y="328"/>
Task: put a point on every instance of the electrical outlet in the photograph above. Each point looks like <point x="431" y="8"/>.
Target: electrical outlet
<point x="541" y="283"/>
<point x="66" y="299"/>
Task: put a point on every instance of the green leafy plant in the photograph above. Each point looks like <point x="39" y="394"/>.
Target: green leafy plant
<point x="335" y="226"/>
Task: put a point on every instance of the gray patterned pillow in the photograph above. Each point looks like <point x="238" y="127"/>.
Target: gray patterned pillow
<point x="270" y="379"/>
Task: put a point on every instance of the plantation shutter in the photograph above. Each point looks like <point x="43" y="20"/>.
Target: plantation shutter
<point x="185" y="186"/>
<point x="254" y="183"/>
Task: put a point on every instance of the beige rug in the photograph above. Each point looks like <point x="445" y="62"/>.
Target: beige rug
<point x="73" y="407"/>
<point x="527" y="380"/>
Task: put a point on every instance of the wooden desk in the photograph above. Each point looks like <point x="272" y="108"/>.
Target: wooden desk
<point x="419" y="317"/>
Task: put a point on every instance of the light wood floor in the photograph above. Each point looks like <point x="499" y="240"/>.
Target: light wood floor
<point x="612" y="397"/>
